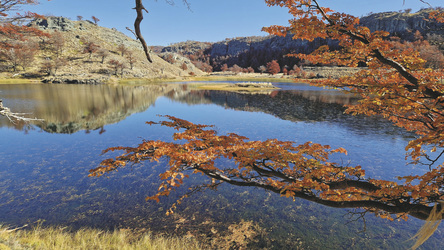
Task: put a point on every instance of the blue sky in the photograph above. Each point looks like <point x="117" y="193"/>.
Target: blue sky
<point x="208" y="20"/>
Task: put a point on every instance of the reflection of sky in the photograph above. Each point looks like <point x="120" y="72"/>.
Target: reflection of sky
<point x="366" y="145"/>
<point x="39" y="170"/>
<point x="371" y="150"/>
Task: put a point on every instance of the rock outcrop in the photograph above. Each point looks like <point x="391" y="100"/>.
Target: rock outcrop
<point x="187" y="48"/>
<point x="256" y="51"/>
<point x="249" y="51"/>
<point x="403" y="24"/>
<point x="54" y="23"/>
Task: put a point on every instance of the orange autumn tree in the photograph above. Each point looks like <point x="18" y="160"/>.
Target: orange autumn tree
<point x="12" y="29"/>
<point x="396" y="85"/>
<point x="13" y="45"/>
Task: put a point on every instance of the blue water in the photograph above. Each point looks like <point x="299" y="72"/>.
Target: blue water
<point x="43" y="175"/>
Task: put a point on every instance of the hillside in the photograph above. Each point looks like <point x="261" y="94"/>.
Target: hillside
<point x="90" y="53"/>
<point x="107" y="62"/>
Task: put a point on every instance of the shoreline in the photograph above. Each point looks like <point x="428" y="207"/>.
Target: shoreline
<point x="315" y="72"/>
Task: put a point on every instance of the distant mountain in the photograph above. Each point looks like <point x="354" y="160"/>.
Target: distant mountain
<point x="256" y="51"/>
<point x="246" y="51"/>
<point x="404" y="23"/>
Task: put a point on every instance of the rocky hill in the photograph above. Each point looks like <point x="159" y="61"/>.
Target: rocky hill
<point x="256" y="51"/>
<point x="404" y="23"/>
<point x="187" y="47"/>
<point x="90" y="53"/>
<point x="246" y="51"/>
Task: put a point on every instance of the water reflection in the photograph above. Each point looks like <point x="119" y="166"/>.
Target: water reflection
<point x="296" y="106"/>
<point x="70" y="108"/>
<point x="43" y="175"/>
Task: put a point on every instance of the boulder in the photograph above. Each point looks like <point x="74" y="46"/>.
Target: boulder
<point x="53" y="23"/>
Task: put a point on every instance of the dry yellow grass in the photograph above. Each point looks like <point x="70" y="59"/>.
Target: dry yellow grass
<point x="17" y="81"/>
<point x="60" y="238"/>
<point x="234" y="88"/>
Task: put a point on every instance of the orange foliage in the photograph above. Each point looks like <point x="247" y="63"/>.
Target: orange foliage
<point x="273" y="67"/>
<point x="279" y="166"/>
<point x="396" y="85"/>
<point x="14" y="48"/>
<point x="12" y="33"/>
<point x="13" y="6"/>
<point x="438" y="15"/>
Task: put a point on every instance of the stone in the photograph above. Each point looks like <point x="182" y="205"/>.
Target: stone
<point x="53" y="23"/>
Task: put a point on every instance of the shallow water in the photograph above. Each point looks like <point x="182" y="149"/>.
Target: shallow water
<point x="44" y="166"/>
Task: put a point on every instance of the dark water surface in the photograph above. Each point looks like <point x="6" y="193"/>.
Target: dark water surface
<point x="44" y="166"/>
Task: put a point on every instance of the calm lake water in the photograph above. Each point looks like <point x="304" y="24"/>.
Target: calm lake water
<point x="44" y="166"/>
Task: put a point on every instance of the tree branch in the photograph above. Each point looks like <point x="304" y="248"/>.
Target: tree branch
<point x="416" y="210"/>
<point x="378" y="55"/>
<point x="294" y="171"/>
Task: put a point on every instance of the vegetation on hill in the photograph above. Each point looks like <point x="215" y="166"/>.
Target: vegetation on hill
<point x="81" y="52"/>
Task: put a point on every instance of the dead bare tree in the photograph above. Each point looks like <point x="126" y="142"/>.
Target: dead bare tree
<point x="139" y="10"/>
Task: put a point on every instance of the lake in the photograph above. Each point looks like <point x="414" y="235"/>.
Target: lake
<point x="44" y="165"/>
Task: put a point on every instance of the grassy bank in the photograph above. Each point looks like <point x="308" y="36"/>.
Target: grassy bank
<point x="59" y="238"/>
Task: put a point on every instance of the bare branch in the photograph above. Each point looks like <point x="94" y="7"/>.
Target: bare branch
<point x="132" y="31"/>
<point x="139" y="10"/>
<point x="5" y="111"/>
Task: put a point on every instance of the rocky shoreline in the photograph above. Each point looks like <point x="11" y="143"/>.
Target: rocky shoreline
<point x="93" y="81"/>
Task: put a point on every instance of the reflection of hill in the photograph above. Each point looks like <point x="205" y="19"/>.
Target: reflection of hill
<point x="295" y="105"/>
<point x="70" y="108"/>
<point x="289" y="105"/>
